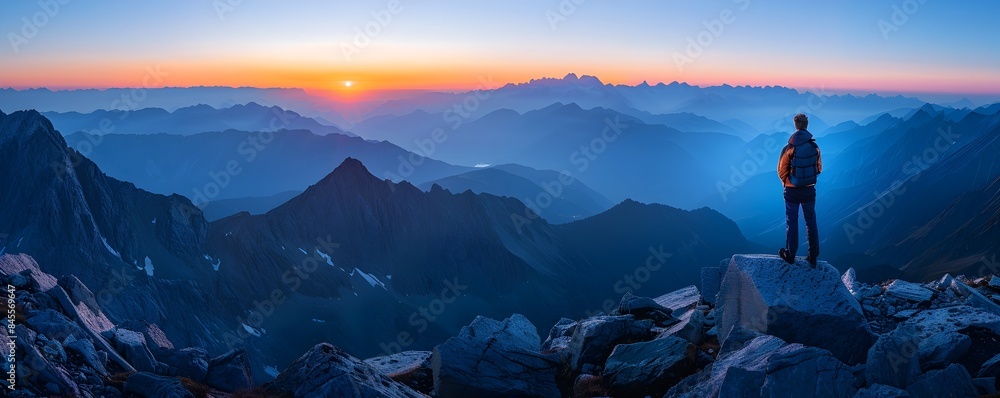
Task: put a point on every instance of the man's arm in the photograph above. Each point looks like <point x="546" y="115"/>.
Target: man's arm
<point x="784" y="164"/>
<point x="819" y="162"/>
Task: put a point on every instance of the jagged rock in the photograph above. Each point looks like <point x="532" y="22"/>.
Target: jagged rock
<point x="490" y="358"/>
<point x="953" y="381"/>
<point x="767" y="366"/>
<point x="711" y="280"/>
<point x="26" y="266"/>
<point x="155" y="338"/>
<point x="985" y="385"/>
<point x="991" y="368"/>
<point x="648" y="368"/>
<point x="881" y="391"/>
<point x="643" y="308"/>
<point x="132" y="346"/>
<point x="149" y="385"/>
<point x="328" y="371"/>
<point x="942" y="349"/>
<point x="189" y="362"/>
<point x="804" y="305"/>
<point x="44" y="372"/>
<point x="229" y="372"/>
<point x="78" y="292"/>
<point x="943" y="283"/>
<point x="976" y="299"/>
<point x="412" y="368"/>
<point x="54" y="325"/>
<point x="850" y="280"/>
<point x="909" y="291"/>
<point x="84" y="349"/>
<point x="559" y="337"/>
<point x="595" y="338"/>
<point x="893" y="360"/>
<point x="685" y="298"/>
<point x="690" y="326"/>
<point x="995" y="282"/>
<point x="905" y="314"/>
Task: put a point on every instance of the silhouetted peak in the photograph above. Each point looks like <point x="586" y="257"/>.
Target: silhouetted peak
<point x="25" y="123"/>
<point x="351" y="166"/>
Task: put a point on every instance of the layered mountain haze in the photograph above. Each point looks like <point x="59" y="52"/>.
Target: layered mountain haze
<point x="188" y="120"/>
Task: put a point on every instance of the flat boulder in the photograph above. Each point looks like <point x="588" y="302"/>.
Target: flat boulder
<point x="412" y="368"/>
<point x="328" y="371"/>
<point x="909" y="291"/>
<point x="794" y="302"/>
<point x="684" y="298"/>
<point x="649" y="368"/>
<point x="491" y="358"/>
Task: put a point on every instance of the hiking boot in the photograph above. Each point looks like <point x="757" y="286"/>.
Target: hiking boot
<point x="785" y="255"/>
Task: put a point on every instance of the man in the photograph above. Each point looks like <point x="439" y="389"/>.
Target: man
<point x="798" y="166"/>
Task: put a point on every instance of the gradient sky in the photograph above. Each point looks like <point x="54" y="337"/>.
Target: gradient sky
<point x="941" y="47"/>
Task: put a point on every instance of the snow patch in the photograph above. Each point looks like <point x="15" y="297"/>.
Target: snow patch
<point x="481" y="165"/>
<point x="318" y="320"/>
<point x="389" y="277"/>
<point x="371" y="279"/>
<point x="22" y="238"/>
<point x="303" y="251"/>
<point x="325" y="256"/>
<point x="215" y="263"/>
<point x="106" y="246"/>
<point x="251" y="330"/>
<point x="2" y="250"/>
<point x="154" y="220"/>
<point x="148" y="267"/>
<point x="271" y="371"/>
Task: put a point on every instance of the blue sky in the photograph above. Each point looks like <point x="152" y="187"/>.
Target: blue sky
<point x="941" y="46"/>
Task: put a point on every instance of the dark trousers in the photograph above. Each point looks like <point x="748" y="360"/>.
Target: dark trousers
<point x="807" y="200"/>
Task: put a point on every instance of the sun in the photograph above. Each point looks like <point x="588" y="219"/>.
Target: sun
<point x="348" y="83"/>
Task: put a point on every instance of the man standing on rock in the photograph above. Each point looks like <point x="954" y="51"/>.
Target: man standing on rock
<point x="798" y="167"/>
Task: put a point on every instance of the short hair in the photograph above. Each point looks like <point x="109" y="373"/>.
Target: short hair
<point x="801" y="121"/>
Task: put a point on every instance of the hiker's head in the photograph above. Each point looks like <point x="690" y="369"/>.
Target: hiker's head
<point x="801" y="121"/>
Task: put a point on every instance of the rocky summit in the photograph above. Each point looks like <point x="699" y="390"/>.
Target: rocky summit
<point x="774" y="330"/>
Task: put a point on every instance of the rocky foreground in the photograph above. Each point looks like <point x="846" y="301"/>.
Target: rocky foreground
<point x="757" y="327"/>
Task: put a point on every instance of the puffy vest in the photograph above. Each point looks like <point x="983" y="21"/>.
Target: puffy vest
<point x="804" y="170"/>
